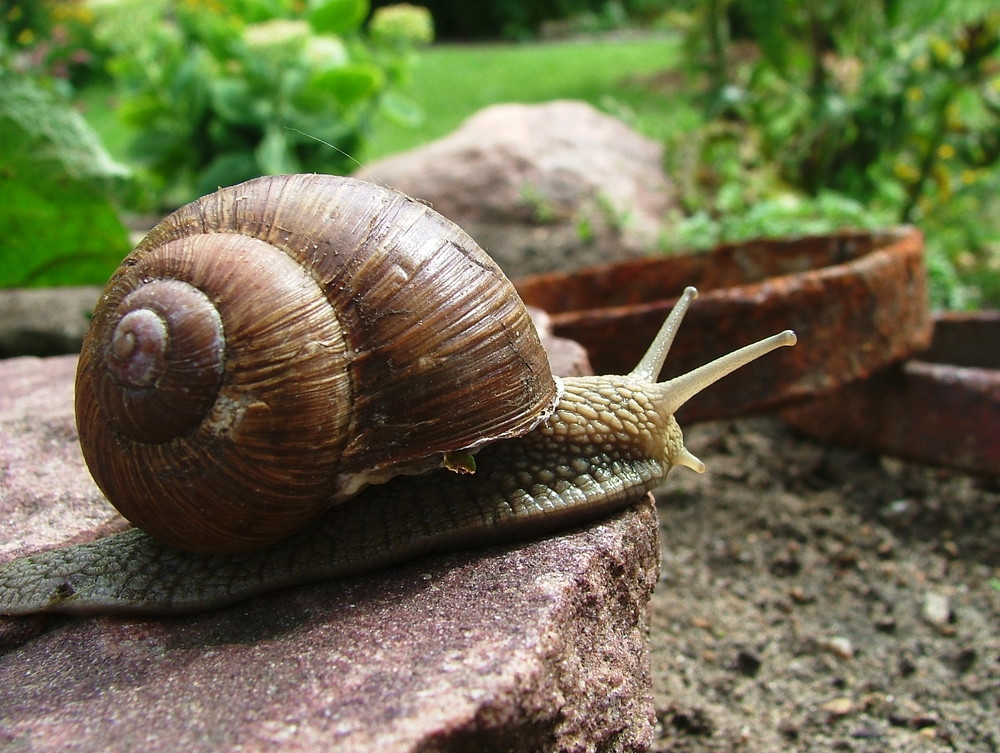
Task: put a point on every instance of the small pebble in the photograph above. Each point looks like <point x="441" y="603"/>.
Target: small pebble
<point x="701" y="622"/>
<point x="937" y="610"/>
<point x="899" y="511"/>
<point x="866" y="733"/>
<point x="799" y="596"/>
<point x="838" y="706"/>
<point x="838" y="645"/>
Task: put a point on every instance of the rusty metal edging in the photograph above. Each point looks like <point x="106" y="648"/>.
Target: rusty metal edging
<point x="858" y="301"/>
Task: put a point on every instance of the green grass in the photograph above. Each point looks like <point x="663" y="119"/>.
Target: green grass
<point x="451" y="82"/>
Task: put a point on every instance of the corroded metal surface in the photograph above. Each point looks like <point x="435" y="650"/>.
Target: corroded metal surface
<point x="942" y="407"/>
<point x="857" y="300"/>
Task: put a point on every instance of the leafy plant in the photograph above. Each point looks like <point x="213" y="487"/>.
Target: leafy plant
<point x="57" y="223"/>
<point x="219" y="93"/>
<point x="893" y="105"/>
<point x="51" y="39"/>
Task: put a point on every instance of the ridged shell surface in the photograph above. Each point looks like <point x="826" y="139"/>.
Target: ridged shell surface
<point x="270" y="347"/>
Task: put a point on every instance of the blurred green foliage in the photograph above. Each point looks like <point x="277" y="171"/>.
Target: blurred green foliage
<point x="51" y="39"/>
<point x="57" y="223"/>
<point x="221" y="92"/>
<point x="784" y="117"/>
<point x="211" y="93"/>
<point x="863" y="113"/>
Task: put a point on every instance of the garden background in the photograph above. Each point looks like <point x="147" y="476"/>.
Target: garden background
<point x="778" y="117"/>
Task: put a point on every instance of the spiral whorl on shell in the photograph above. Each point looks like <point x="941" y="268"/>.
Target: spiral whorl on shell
<point x="273" y="347"/>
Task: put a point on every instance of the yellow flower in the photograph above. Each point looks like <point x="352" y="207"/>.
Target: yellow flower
<point x="942" y="178"/>
<point x="953" y="117"/>
<point x="905" y="172"/>
<point x="941" y="49"/>
<point x="68" y="11"/>
<point x="945" y="151"/>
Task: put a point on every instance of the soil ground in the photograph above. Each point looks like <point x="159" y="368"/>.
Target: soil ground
<point x="822" y="599"/>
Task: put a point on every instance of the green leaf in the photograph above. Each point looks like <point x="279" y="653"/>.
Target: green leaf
<point x="274" y="154"/>
<point x="234" y="102"/>
<point x="770" y="20"/>
<point x="57" y="223"/>
<point x="57" y="235"/>
<point x="459" y="462"/>
<point x="401" y="110"/>
<point x="227" y="169"/>
<point x="52" y="132"/>
<point x="254" y="11"/>
<point x="350" y="84"/>
<point x="336" y="16"/>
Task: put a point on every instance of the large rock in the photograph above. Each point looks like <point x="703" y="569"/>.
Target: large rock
<point x="534" y="647"/>
<point x="541" y="187"/>
<point x="45" y="321"/>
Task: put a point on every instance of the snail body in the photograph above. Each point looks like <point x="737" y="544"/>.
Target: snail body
<point x="321" y="355"/>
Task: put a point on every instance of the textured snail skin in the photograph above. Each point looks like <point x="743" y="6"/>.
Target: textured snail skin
<point x="609" y="440"/>
<point x="521" y="487"/>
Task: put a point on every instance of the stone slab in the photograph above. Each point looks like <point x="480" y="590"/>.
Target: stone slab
<point x="45" y="321"/>
<point x="540" y="646"/>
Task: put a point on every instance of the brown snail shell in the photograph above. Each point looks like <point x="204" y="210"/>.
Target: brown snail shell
<point x="271" y="348"/>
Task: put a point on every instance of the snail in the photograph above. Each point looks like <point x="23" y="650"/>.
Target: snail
<point x="305" y="377"/>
